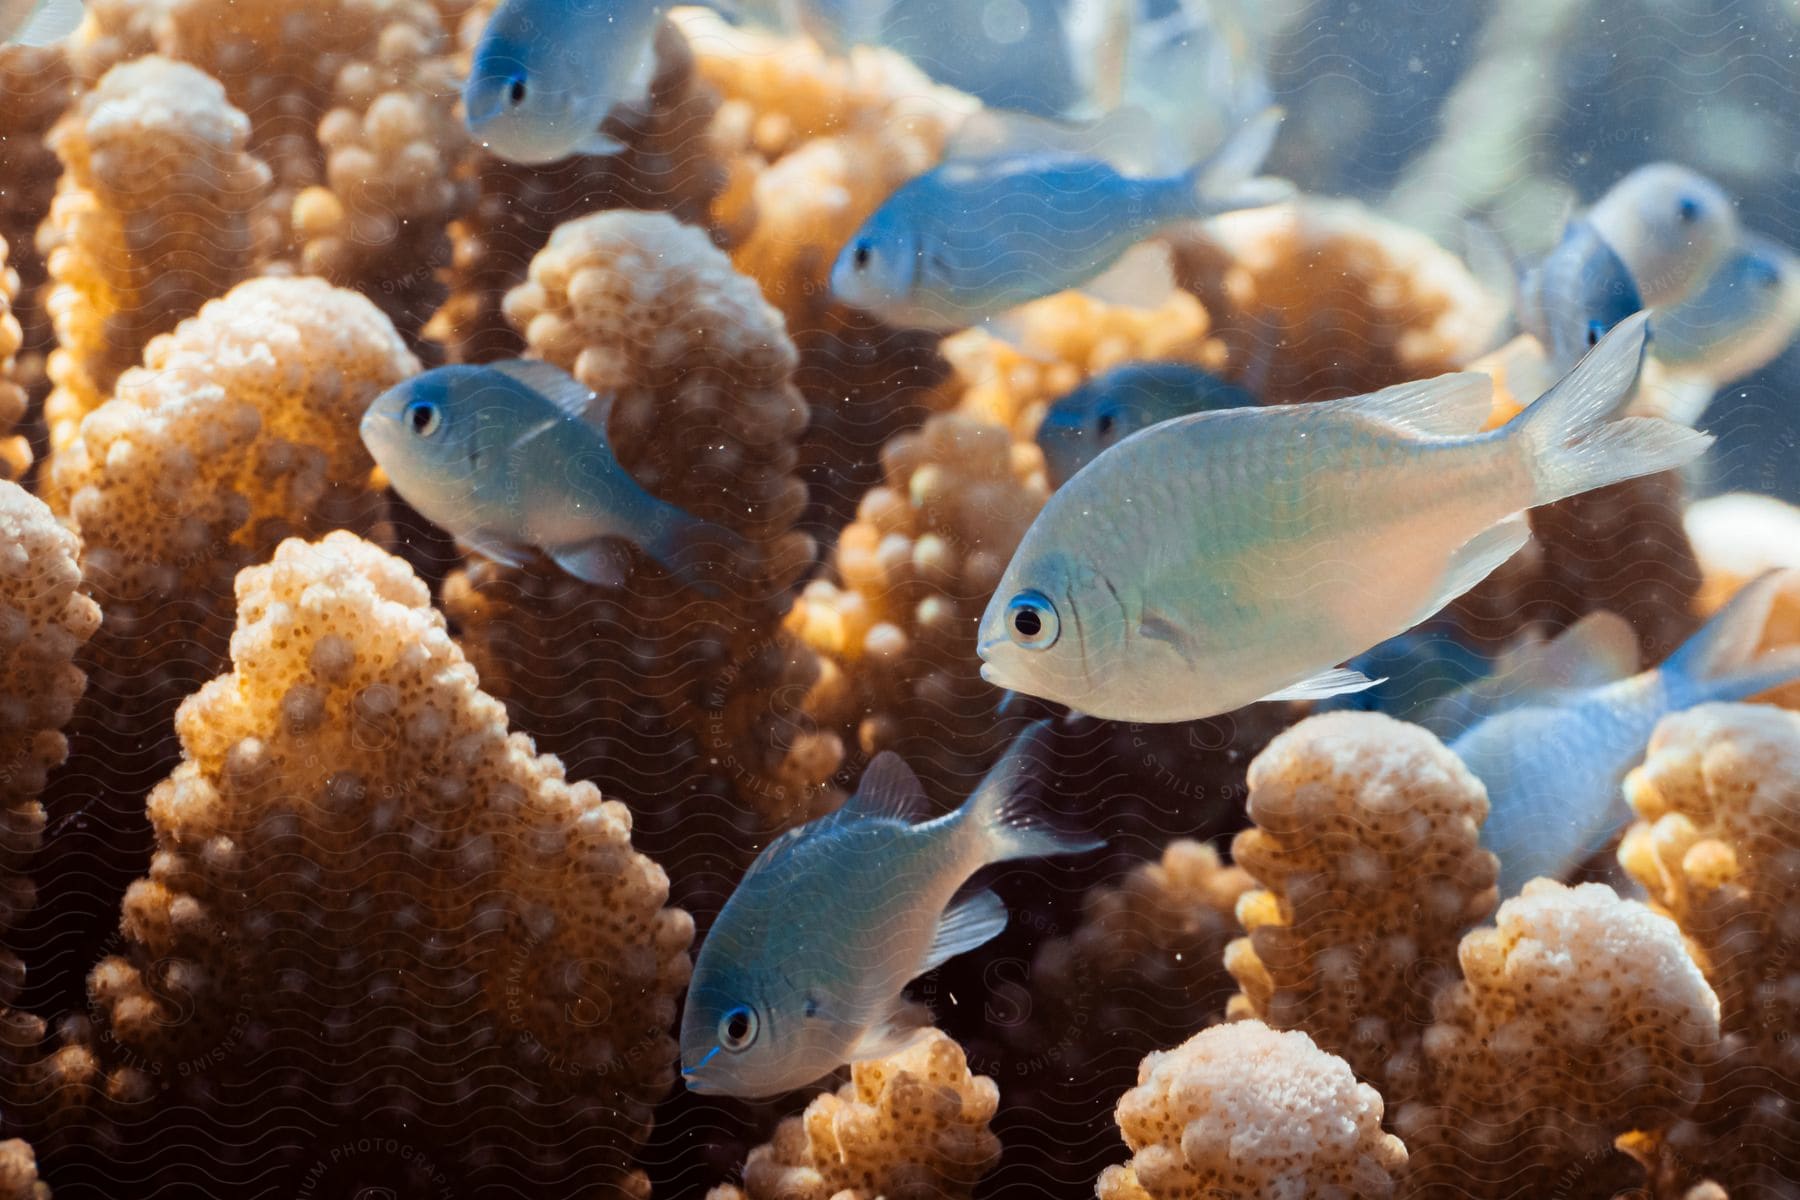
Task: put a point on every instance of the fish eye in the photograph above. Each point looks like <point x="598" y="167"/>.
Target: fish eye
<point x="862" y="254"/>
<point x="737" y="1029"/>
<point x="1031" y="621"/>
<point x="1595" y="331"/>
<point x="423" y="417"/>
<point x="1106" y="424"/>
<point x="515" y="91"/>
<point x="1688" y="209"/>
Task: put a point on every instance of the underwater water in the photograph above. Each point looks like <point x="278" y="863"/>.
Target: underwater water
<point x="908" y="598"/>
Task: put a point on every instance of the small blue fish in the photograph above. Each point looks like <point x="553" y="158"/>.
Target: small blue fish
<point x="1597" y="650"/>
<point x="546" y="72"/>
<point x="1670" y="225"/>
<point x="1736" y="322"/>
<point x="1116" y="404"/>
<point x="1412" y="671"/>
<point x="979" y="235"/>
<point x="803" y="970"/>
<point x="1553" y="769"/>
<point x="501" y="457"/>
<point x="1574" y="297"/>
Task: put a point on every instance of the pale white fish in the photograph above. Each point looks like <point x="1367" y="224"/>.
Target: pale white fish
<point x="803" y="970"/>
<point x="1739" y="320"/>
<point x="1671" y="225"/>
<point x="1226" y="557"/>
<point x="38" y="22"/>
<point x="1598" y="649"/>
<point x="1553" y="770"/>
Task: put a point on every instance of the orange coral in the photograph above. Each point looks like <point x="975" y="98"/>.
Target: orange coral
<point x="1737" y="537"/>
<point x="1717" y="837"/>
<point x="910" y="1127"/>
<point x="1241" y="1110"/>
<point x="154" y="216"/>
<point x="18" y="1173"/>
<point x="15" y="451"/>
<point x="371" y="903"/>
<point x="37" y="85"/>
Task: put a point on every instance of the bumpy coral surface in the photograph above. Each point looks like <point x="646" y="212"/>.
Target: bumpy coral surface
<point x="1737" y="537"/>
<point x="15" y="451"/>
<point x="1246" y="1112"/>
<point x="37" y="85"/>
<point x="154" y="216"/>
<point x="1580" y="1018"/>
<point x="372" y="908"/>
<point x="18" y="1173"/>
<point x="1716" y="843"/>
<point x="1366" y="844"/>
<point x="910" y="1127"/>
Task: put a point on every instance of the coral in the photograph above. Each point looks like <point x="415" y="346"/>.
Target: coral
<point x="654" y="686"/>
<point x="18" y="1173"/>
<point x="372" y="908"/>
<point x="1580" y="1018"/>
<point x="1246" y="1112"/>
<point x="15" y="451"/>
<point x="1716" y="842"/>
<point x="667" y="164"/>
<point x="910" y="1127"/>
<point x="154" y="215"/>
<point x="812" y="145"/>
<point x="37" y="85"/>
<point x="1366" y="846"/>
<point x="1321" y="299"/>
<point x="1737" y="537"/>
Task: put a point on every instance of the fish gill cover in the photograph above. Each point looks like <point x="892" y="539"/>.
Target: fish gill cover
<point x="338" y="858"/>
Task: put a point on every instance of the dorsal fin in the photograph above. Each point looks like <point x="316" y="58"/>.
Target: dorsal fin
<point x="888" y="791"/>
<point x="1447" y="406"/>
<point x="566" y="393"/>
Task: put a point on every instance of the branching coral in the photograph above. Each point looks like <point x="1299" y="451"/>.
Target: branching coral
<point x="15" y="451"/>
<point x="18" y="1173"/>
<point x="1718" y="837"/>
<point x="1580" y="1018"/>
<point x="155" y="215"/>
<point x="1737" y="537"/>
<point x="652" y="684"/>
<point x="1366" y="843"/>
<point x="1246" y="1112"/>
<point x="667" y="164"/>
<point x="37" y="85"/>
<point x="910" y="1127"/>
<point x="372" y="908"/>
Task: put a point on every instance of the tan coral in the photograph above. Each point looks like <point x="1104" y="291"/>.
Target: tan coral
<point x="1246" y="1112"/>
<point x="1580" y="1018"/>
<point x="910" y="1127"/>
<point x="368" y="897"/>
<point x="37" y="84"/>
<point x="15" y="450"/>
<point x="1366" y="843"/>
<point x="155" y="215"/>
<point x="1736" y="537"/>
<point x="239" y="429"/>
<point x="1716" y="843"/>
<point x="18" y="1173"/>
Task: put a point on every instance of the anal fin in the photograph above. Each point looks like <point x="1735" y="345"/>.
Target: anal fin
<point x="964" y="926"/>
<point x="906" y="1022"/>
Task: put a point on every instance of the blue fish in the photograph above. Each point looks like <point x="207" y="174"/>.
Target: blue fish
<point x="1411" y="672"/>
<point x="1553" y="768"/>
<point x="1735" y="323"/>
<point x="803" y="970"/>
<point x="1575" y="295"/>
<point x="1117" y="403"/>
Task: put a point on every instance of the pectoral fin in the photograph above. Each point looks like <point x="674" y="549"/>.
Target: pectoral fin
<point x="600" y="145"/>
<point x="905" y="1022"/>
<point x="500" y="549"/>
<point x="1478" y="558"/>
<point x="1334" y="682"/>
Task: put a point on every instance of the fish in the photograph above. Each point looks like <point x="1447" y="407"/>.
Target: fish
<point x="1553" y="770"/>
<point x="502" y="458"/>
<point x="803" y="970"/>
<point x="1223" y="558"/>
<point x="1117" y="403"/>
<point x="1744" y="314"/>
<point x="1598" y="649"/>
<point x="38" y="22"/>
<point x="1417" y="669"/>
<point x="979" y="235"/>
<point x="545" y="73"/>
<point x="1575" y="295"/>
<point x="1670" y="225"/>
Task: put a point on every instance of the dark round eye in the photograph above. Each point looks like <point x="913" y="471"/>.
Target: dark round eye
<point x="423" y="417"/>
<point x="737" y="1028"/>
<point x="1688" y="209"/>
<point x="516" y="92"/>
<point x="1596" y="331"/>
<point x="862" y="255"/>
<point x="1031" y="621"/>
<point x="1106" y="424"/>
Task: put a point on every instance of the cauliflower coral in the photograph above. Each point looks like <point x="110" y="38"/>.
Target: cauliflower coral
<point x="370" y="902"/>
<point x="15" y="451"/>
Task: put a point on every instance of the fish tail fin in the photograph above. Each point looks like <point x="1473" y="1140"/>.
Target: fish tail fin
<point x="1720" y="661"/>
<point x="1569" y="438"/>
<point x="1001" y="815"/>
<point x="1227" y="180"/>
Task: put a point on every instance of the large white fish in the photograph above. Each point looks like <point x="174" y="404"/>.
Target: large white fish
<point x="1553" y="768"/>
<point x="1671" y="225"/>
<point x="37" y="22"/>
<point x="803" y="970"/>
<point x="1227" y="557"/>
